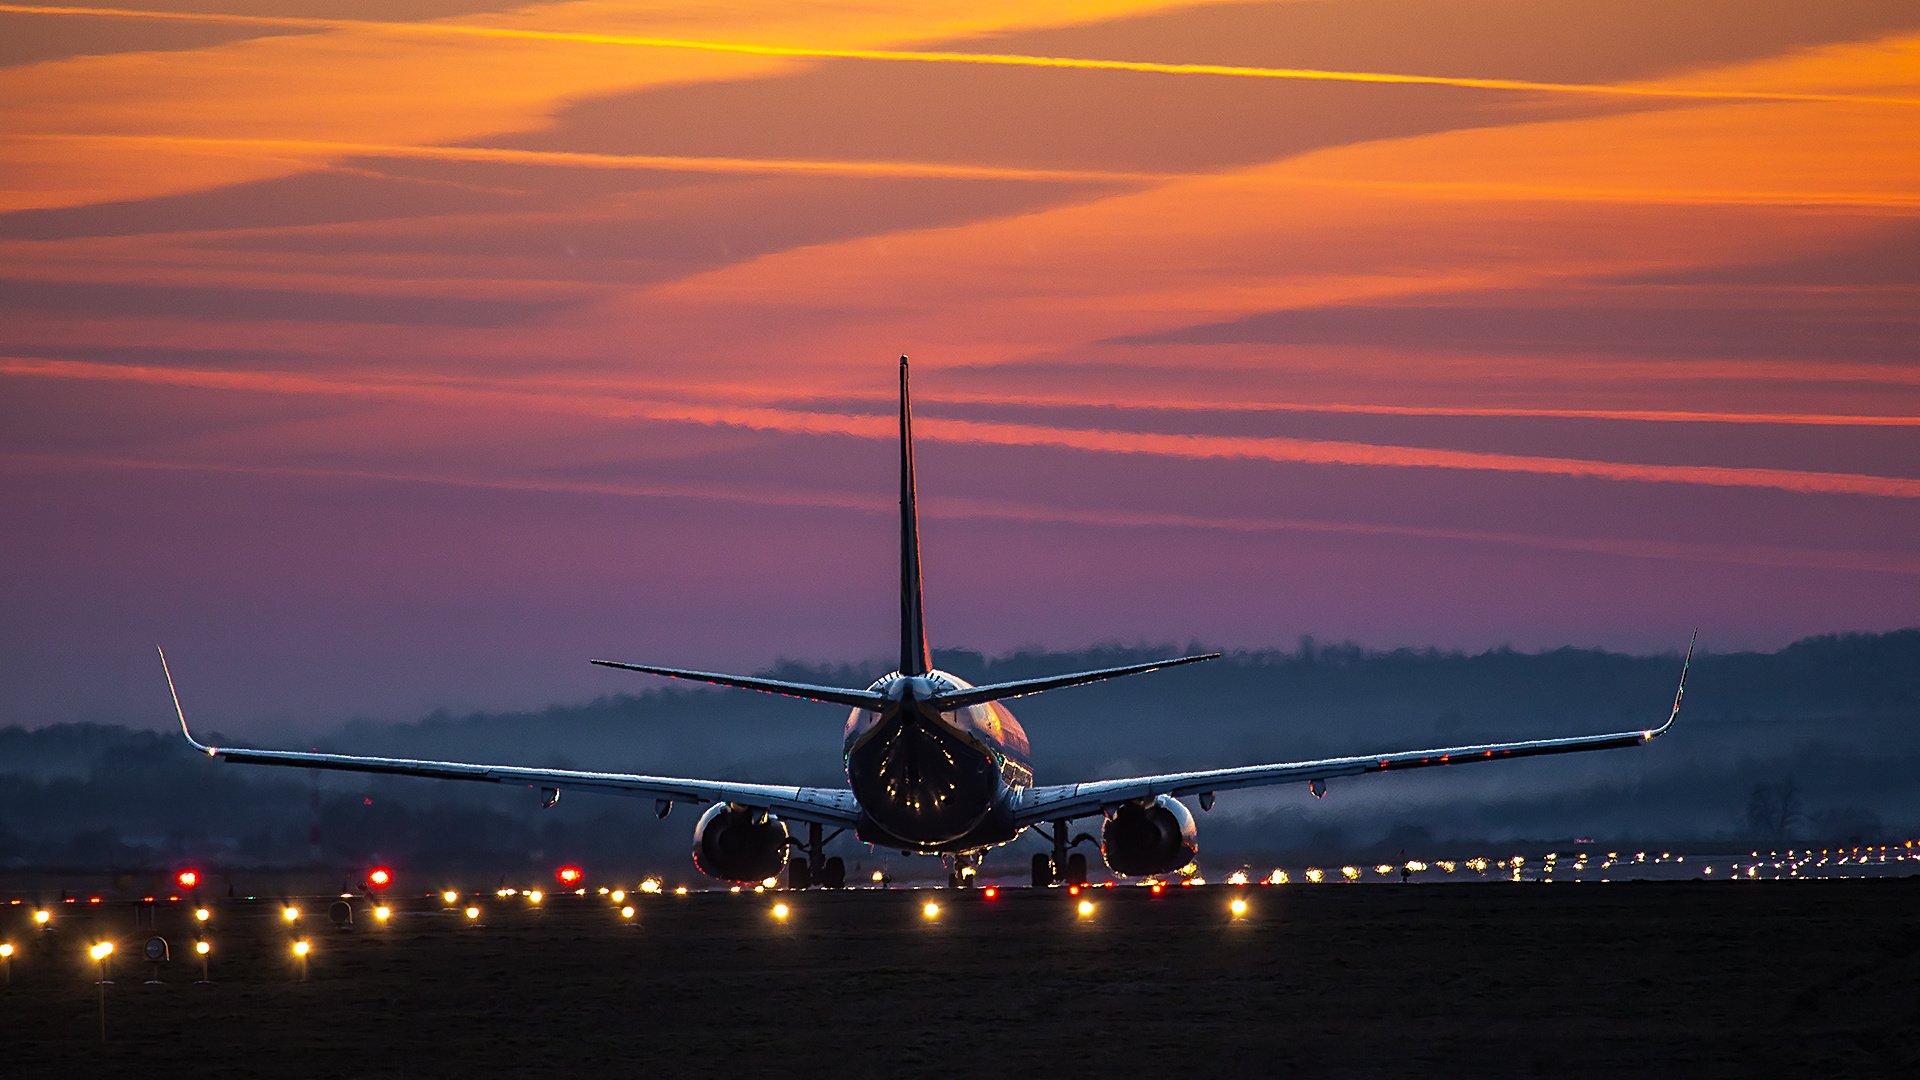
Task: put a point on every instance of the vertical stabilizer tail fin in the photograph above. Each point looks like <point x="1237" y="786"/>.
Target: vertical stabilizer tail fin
<point x="914" y="658"/>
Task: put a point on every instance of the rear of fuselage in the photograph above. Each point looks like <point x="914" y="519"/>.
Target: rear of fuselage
<point x="934" y="782"/>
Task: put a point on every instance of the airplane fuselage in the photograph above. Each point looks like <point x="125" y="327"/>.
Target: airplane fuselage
<point x="930" y="781"/>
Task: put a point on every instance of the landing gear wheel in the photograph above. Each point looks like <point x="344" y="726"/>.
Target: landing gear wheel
<point x="799" y="875"/>
<point x="1076" y="869"/>
<point x="834" y="874"/>
<point x="1042" y="871"/>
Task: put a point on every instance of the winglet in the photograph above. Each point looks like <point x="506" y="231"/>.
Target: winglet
<point x="1679" y="693"/>
<point x="180" y="712"/>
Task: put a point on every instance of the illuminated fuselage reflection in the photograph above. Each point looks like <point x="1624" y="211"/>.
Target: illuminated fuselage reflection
<point x="935" y="781"/>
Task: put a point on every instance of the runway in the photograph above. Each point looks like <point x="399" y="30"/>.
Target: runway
<point x="1492" y="978"/>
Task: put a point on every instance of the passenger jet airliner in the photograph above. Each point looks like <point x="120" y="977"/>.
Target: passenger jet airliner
<point x="935" y="766"/>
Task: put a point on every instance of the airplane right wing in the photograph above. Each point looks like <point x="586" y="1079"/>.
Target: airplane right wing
<point x="1063" y="802"/>
<point x="828" y="806"/>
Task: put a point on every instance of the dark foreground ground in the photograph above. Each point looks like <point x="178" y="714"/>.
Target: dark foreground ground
<point x="1645" y="978"/>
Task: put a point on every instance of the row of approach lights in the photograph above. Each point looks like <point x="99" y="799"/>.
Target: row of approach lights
<point x="378" y="879"/>
<point x="571" y="876"/>
<point x="302" y="948"/>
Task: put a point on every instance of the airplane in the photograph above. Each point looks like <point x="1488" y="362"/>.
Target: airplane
<point x="935" y="766"/>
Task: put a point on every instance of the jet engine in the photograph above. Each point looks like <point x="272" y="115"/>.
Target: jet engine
<point x="1155" y="837"/>
<point x="739" y="843"/>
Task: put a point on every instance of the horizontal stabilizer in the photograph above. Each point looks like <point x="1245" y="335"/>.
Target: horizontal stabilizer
<point x="832" y="695"/>
<point x="980" y="695"/>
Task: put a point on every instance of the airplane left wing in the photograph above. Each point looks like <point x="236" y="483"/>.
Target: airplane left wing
<point x="828" y="806"/>
<point x="1062" y="802"/>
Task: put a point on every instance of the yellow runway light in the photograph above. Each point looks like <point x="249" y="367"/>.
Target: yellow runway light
<point x="42" y="917"/>
<point x="930" y="910"/>
<point x="201" y="914"/>
<point x="473" y="913"/>
<point x="781" y="911"/>
<point x="202" y="947"/>
<point x="382" y="913"/>
<point x="101" y="951"/>
<point x="1238" y="907"/>
<point x="290" y="913"/>
<point x="619" y="896"/>
<point x="1086" y="909"/>
<point x="627" y="912"/>
<point x="450" y="897"/>
<point x="534" y="896"/>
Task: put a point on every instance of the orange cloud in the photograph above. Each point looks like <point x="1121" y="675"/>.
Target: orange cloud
<point x="1520" y="207"/>
<point x="338" y="86"/>
<point x="817" y="52"/>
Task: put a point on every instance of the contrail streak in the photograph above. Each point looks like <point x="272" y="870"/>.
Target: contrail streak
<point x="648" y="162"/>
<point x="969" y="509"/>
<point x="961" y="171"/>
<point x="804" y="52"/>
<point x="1190" y="447"/>
<point x="1652" y="416"/>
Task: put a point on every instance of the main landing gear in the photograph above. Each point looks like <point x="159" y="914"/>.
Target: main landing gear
<point x="961" y="870"/>
<point x="815" y="868"/>
<point x="1061" y="868"/>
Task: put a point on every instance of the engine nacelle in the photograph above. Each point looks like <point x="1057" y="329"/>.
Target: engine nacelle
<point x="1156" y="837"/>
<point x="739" y="843"/>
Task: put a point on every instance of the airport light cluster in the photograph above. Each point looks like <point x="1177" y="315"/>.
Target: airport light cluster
<point x="1580" y="863"/>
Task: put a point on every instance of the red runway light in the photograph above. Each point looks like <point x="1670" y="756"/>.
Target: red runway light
<point x="992" y="891"/>
<point x="570" y="875"/>
<point x="1073" y="890"/>
<point x="380" y="878"/>
<point x="187" y="878"/>
<point x="1157" y="887"/>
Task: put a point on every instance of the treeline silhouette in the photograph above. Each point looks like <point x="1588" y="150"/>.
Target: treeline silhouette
<point x="1818" y="742"/>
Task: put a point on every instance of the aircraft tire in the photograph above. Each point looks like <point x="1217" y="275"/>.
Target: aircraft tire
<point x="1076" y="869"/>
<point x="1042" y="871"/>
<point x="799" y="875"/>
<point x="834" y="874"/>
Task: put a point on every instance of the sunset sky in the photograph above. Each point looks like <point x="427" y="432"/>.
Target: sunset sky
<point x="375" y="357"/>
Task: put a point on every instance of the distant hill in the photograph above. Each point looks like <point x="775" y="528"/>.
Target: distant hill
<point x="1836" y="717"/>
